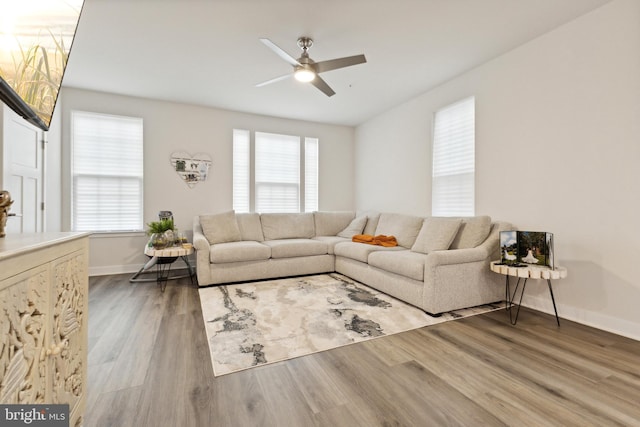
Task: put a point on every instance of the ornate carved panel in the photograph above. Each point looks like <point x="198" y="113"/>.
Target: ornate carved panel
<point x="68" y="328"/>
<point x="24" y="302"/>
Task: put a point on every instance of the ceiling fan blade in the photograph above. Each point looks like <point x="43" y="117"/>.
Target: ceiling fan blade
<point x="281" y="53"/>
<point x="333" y="64"/>
<point x="277" y="79"/>
<point x="323" y="86"/>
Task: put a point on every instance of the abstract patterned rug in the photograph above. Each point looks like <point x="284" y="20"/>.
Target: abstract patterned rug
<point x="252" y="324"/>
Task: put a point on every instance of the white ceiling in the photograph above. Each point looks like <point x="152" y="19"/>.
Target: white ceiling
<point x="207" y="52"/>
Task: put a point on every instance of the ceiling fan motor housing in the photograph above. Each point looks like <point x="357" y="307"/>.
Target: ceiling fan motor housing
<point x="305" y="43"/>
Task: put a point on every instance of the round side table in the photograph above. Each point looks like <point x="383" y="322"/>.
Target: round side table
<point x="526" y="272"/>
<point x="163" y="259"/>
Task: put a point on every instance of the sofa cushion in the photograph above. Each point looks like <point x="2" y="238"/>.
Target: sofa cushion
<point x="355" y="227"/>
<point x="472" y="232"/>
<point x="238" y="251"/>
<point x="291" y="248"/>
<point x="436" y="234"/>
<point x="372" y="221"/>
<point x="250" y="226"/>
<point x="287" y="226"/>
<point x="405" y="263"/>
<point x="331" y="223"/>
<point x="220" y="228"/>
<point x="404" y="228"/>
<point x="360" y="251"/>
<point x="331" y="242"/>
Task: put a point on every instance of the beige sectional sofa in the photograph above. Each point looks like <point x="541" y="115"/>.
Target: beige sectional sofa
<point x="440" y="264"/>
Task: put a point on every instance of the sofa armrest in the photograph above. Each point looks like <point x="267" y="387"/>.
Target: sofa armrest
<point x="457" y="256"/>
<point x="200" y="242"/>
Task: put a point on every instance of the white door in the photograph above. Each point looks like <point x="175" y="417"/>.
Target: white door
<point x="23" y="172"/>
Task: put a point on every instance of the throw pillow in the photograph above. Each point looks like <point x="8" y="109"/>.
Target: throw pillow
<point x="220" y="228"/>
<point x="436" y="234"/>
<point x="356" y="227"/>
<point x="372" y="221"/>
<point x="472" y="232"/>
<point x="250" y="226"/>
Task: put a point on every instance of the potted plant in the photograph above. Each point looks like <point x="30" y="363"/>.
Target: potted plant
<point x="159" y="232"/>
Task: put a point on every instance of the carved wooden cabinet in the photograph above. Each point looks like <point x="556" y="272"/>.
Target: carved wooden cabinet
<point x="43" y="320"/>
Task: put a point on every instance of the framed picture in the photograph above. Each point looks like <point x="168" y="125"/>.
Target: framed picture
<point x="509" y="247"/>
<point x="549" y="241"/>
<point x="521" y="248"/>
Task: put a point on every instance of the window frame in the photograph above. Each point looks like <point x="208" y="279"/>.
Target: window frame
<point x="250" y="159"/>
<point x="453" y="179"/>
<point x="136" y="176"/>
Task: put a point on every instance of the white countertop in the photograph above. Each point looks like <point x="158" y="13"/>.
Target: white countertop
<point x="14" y="244"/>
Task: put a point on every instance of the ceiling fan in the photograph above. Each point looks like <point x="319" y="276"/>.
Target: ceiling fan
<point x="306" y="69"/>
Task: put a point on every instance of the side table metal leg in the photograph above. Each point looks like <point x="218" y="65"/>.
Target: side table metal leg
<point x="162" y="275"/>
<point x="507" y="293"/>
<point x="553" y="300"/>
<point x="513" y="320"/>
<point x="189" y="268"/>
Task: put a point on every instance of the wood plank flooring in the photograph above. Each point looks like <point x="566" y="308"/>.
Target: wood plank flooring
<point x="149" y="366"/>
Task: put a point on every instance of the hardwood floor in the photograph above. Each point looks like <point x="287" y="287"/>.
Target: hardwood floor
<point x="149" y="366"/>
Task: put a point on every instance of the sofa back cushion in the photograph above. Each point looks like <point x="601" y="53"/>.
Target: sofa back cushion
<point x="372" y="221"/>
<point x="220" y="228"/>
<point x="405" y="228"/>
<point x="287" y="225"/>
<point x="355" y="227"/>
<point x="331" y="223"/>
<point x="473" y="231"/>
<point x="250" y="226"/>
<point x="436" y="234"/>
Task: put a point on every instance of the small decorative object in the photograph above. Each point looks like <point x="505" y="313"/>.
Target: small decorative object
<point x="159" y="232"/>
<point x="191" y="168"/>
<point x="181" y="238"/>
<point x="170" y="237"/>
<point x="5" y="205"/>
<point x="528" y="247"/>
<point x="158" y="241"/>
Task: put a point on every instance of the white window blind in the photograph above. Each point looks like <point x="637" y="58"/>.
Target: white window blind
<point x="107" y="172"/>
<point x="277" y="175"/>
<point x="241" y="170"/>
<point x="310" y="174"/>
<point x="453" y="183"/>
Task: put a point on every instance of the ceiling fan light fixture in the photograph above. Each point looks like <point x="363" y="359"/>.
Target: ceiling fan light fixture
<point x="304" y="75"/>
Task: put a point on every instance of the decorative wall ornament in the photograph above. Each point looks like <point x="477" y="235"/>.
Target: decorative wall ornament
<point x="192" y="169"/>
<point x="5" y="205"/>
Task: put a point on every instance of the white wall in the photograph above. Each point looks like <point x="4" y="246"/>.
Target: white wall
<point x="557" y="149"/>
<point x="170" y="127"/>
<point x="53" y="172"/>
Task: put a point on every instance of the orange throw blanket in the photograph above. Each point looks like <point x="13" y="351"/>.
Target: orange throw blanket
<point x="380" y="240"/>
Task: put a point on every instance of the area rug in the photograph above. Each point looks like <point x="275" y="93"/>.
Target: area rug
<point x="253" y="324"/>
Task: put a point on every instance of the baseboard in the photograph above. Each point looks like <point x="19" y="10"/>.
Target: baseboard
<point x="585" y="317"/>
<point x="122" y="269"/>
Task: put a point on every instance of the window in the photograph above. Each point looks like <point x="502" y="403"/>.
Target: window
<point x="107" y="172"/>
<point x="285" y="173"/>
<point x="453" y="183"/>
<point x="277" y="173"/>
